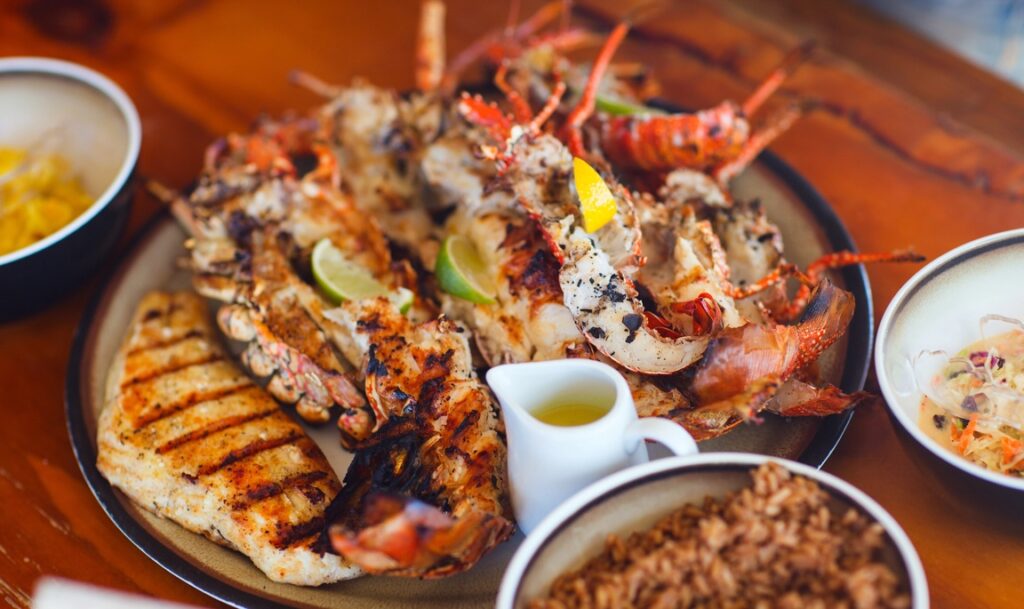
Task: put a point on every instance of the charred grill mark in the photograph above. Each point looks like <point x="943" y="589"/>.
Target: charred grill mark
<point x="466" y="423"/>
<point x="313" y="494"/>
<point x="207" y="358"/>
<point x="374" y="366"/>
<point x="440" y="361"/>
<point x="530" y="266"/>
<point x="248" y="451"/>
<point x="370" y="323"/>
<point x="212" y="428"/>
<point x="291" y="534"/>
<point x="191" y="400"/>
<point x="163" y="344"/>
<point x="273" y="489"/>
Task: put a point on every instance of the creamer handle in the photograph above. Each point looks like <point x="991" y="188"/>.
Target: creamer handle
<point x="663" y="431"/>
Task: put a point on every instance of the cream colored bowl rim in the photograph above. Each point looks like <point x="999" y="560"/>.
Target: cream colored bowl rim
<point x="55" y="67"/>
<point x="597" y="492"/>
<point x="934" y="269"/>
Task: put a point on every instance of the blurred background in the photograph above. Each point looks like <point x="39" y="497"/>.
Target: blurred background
<point x="987" y="32"/>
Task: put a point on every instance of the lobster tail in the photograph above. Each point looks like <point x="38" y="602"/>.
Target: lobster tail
<point x="746" y="355"/>
<point x="824" y="320"/>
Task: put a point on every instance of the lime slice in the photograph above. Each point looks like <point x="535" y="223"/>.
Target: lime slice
<point x="341" y="279"/>
<point x="461" y="272"/>
<point x="402" y="298"/>
<point x="597" y="204"/>
<point x="621" y="107"/>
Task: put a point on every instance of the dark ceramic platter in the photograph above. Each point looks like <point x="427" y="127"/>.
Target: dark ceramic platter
<point x="809" y="225"/>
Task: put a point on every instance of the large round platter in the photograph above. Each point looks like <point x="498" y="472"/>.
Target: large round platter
<point x="809" y="226"/>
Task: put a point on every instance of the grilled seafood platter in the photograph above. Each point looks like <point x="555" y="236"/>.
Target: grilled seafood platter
<point x="592" y="227"/>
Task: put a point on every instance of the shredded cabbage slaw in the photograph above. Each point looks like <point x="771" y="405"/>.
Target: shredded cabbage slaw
<point x="975" y="405"/>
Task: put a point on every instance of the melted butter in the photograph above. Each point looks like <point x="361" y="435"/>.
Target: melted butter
<point x="569" y="413"/>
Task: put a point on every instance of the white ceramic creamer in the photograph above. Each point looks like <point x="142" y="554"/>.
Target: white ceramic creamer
<point x="548" y="463"/>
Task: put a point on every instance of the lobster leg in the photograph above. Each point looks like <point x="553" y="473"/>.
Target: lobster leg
<point x="816" y="270"/>
<point x="725" y="172"/>
<point x="585" y="108"/>
<point x="520" y="109"/>
<point x="766" y="89"/>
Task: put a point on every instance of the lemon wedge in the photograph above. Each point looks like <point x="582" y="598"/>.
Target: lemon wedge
<point x="596" y="200"/>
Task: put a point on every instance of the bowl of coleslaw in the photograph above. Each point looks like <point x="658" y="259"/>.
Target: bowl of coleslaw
<point x="950" y="358"/>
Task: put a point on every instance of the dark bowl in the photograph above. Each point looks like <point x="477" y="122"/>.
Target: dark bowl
<point x="90" y="121"/>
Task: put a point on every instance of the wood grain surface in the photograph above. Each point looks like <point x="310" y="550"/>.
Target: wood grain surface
<point x="883" y="144"/>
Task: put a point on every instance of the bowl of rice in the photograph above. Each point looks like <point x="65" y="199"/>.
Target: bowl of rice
<point x="69" y="143"/>
<point x="717" y="530"/>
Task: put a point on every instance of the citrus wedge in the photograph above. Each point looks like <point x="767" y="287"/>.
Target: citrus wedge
<point x="341" y="279"/>
<point x="620" y="107"/>
<point x="596" y="201"/>
<point x="461" y="272"/>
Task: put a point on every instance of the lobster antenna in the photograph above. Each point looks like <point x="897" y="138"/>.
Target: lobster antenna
<point x="544" y="15"/>
<point x="478" y="47"/>
<point x="645" y="11"/>
<point x="513" y="17"/>
<point x="787" y="66"/>
<point x="430" y="46"/>
<point x="313" y="83"/>
<point x="585" y="107"/>
<point x="760" y="140"/>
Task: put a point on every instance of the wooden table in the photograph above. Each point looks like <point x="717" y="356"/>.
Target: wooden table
<point x="898" y="171"/>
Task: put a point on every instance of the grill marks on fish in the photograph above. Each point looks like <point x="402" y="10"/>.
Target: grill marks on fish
<point x="187" y="435"/>
<point x="155" y="411"/>
<point x="212" y="428"/>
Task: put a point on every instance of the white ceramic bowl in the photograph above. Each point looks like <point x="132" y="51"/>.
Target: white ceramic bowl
<point x="941" y="308"/>
<point x="635" y="498"/>
<point x="98" y="131"/>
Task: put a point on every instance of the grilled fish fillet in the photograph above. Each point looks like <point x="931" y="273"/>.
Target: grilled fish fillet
<point x="188" y="436"/>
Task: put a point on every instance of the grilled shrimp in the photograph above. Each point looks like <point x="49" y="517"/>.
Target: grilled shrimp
<point x="426" y="494"/>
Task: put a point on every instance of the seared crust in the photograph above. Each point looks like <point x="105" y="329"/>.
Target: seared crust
<point x="188" y="436"/>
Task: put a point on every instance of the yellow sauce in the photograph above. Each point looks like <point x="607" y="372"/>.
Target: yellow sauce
<point x="569" y="414"/>
<point x="38" y="196"/>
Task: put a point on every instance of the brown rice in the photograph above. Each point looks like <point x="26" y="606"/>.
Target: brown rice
<point x="774" y="545"/>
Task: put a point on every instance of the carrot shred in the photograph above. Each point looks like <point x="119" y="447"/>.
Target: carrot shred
<point x="967" y="435"/>
<point x="1010" y="448"/>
